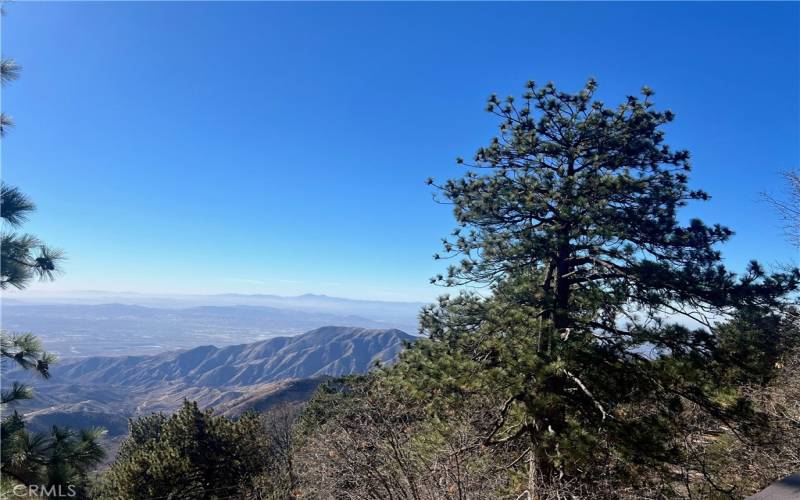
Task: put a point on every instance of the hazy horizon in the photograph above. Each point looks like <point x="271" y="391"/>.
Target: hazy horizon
<point x="43" y="292"/>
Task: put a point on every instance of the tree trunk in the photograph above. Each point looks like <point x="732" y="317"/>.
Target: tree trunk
<point x="533" y="477"/>
<point x="562" y="290"/>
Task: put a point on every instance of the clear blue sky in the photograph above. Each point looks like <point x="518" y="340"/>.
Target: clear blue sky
<point x="268" y="147"/>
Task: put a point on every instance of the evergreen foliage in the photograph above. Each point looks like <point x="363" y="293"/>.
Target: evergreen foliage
<point x="601" y="323"/>
<point x="23" y="351"/>
<point x="60" y="459"/>
<point x="24" y="256"/>
<point x="191" y="454"/>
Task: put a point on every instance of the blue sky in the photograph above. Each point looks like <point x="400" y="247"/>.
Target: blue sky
<point x="283" y="148"/>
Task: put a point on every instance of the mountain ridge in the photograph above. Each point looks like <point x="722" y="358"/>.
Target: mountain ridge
<point x="331" y="350"/>
<point x="231" y="379"/>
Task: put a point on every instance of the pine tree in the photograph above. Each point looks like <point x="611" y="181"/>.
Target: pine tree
<point x="190" y="454"/>
<point x="57" y="461"/>
<point x="569" y="219"/>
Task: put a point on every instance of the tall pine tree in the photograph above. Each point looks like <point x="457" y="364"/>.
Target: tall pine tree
<point x="598" y="328"/>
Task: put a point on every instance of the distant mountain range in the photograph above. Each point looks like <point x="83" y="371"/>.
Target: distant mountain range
<point x="85" y="329"/>
<point x="401" y="313"/>
<point x="107" y="390"/>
